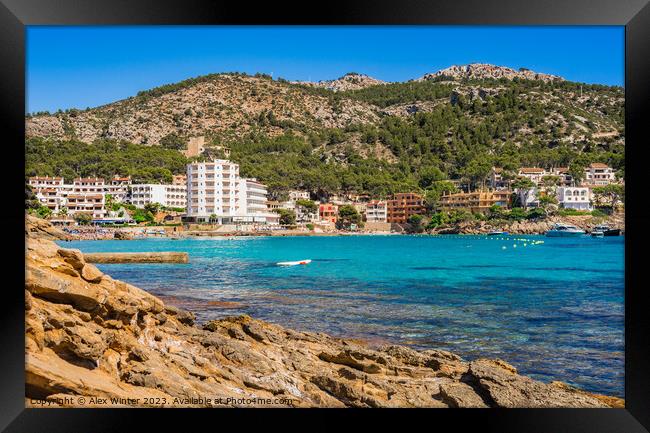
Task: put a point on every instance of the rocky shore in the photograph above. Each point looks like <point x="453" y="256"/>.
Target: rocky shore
<point x="95" y="341"/>
<point x="529" y="227"/>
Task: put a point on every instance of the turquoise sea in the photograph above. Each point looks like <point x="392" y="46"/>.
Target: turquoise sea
<point x="555" y="310"/>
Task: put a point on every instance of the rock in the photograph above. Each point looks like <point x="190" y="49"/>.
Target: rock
<point x="183" y="316"/>
<point x="458" y="394"/>
<point x="508" y="389"/>
<point x="73" y="257"/>
<point x="91" y="274"/>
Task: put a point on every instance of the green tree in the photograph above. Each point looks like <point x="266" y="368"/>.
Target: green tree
<point x="612" y="193"/>
<point x="347" y="216"/>
<point x="287" y="217"/>
<point x="173" y="141"/>
<point x="83" y="218"/>
<point x="524" y="187"/>
<point x="414" y="224"/>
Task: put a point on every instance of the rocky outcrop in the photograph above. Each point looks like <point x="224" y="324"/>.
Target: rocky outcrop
<point x="38" y="228"/>
<point x="479" y="71"/>
<point x="349" y="81"/>
<point x="95" y="341"/>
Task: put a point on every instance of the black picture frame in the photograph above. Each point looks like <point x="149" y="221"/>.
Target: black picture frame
<point x="633" y="14"/>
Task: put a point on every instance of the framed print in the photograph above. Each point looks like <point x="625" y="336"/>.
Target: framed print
<point x="430" y="210"/>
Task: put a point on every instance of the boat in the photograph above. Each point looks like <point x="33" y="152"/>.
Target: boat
<point x="297" y="262"/>
<point x="497" y="233"/>
<point x="605" y="230"/>
<point x="564" y="231"/>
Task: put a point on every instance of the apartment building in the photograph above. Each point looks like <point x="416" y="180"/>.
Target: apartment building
<point x="475" y="202"/>
<point x="216" y="192"/>
<point x="118" y="188"/>
<point x="402" y="206"/>
<point x="256" y="202"/>
<point x="167" y="195"/>
<point x="328" y="212"/>
<point x="578" y="198"/>
<point x="599" y="174"/>
<point x="376" y="211"/>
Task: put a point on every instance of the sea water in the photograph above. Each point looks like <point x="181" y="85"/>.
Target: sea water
<point x="552" y="307"/>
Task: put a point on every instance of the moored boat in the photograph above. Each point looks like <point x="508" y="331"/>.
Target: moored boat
<point x="297" y="262"/>
<point x="497" y="233"/>
<point x="564" y="230"/>
<point x="605" y="230"/>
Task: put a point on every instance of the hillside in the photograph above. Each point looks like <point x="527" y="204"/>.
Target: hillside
<point x="376" y="138"/>
<point x="228" y="104"/>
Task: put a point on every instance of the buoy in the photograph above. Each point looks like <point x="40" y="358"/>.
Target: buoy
<point x="514" y="245"/>
<point x="503" y="247"/>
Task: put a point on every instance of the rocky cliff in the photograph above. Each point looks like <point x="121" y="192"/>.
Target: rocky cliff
<point x="95" y="341"/>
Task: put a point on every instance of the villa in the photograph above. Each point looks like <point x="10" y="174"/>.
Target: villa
<point x="475" y="202"/>
<point x="578" y="198"/>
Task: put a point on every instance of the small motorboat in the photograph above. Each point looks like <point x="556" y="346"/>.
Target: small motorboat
<point x="497" y="233"/>
<point x="297" y="262"/>
<point x="605" y="230"/>
<point x="564" y="231"/>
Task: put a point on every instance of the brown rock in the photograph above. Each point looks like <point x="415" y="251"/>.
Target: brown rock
<point x="91" y="274"/>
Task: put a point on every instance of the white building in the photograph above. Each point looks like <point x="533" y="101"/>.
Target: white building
<point x="578" y="198"/>
<point x="255" y="194"/>
<point x="376" y="211"/>
<point x="165" y="194"/>
<point x="215" y="191"/>
<point x="295" y="195"/>
<point x="535" y="174"/>
<point x="305" y="215"/>
<point x="598" y="174"/>
<point x="118" y="188"/>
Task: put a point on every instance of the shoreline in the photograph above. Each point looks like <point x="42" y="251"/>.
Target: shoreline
<point x="524" y="227"/>
<point x="108" y="339"/>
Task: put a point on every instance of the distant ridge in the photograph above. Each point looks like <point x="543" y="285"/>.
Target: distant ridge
<point x="481" y="71"/>
<point x="349" y="81"/>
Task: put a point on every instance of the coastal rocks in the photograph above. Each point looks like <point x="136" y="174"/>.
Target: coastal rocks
<point x="88" y="335"/>
<point x="506" y="388"/>
<point x="38" y="228"/>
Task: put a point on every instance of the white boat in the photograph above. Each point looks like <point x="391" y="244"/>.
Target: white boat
<point x="564" y="231"/>
<point x="298" y="262"/>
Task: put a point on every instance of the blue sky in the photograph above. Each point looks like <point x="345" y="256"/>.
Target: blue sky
<point x="79" y="67"/>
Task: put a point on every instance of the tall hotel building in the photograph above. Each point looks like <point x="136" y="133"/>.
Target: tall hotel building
<point x="216" y="192"/>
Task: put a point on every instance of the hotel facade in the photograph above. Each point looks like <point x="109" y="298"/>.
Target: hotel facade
<point x="402" y="206"/>
<point x="216" y="193"/>
<point x="164" y="194"/>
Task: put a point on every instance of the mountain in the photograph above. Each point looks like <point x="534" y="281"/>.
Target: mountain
<point x="482" y="71"/>
<point x="375" y="138"/>
<point x="219" y="104"/>
<point x="349" y="81"/>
